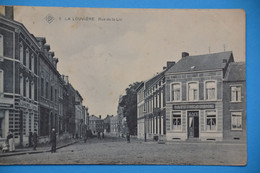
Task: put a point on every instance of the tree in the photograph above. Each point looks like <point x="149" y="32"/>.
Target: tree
<point x="129" y="103"/>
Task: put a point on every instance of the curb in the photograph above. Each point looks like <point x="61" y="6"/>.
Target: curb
<point x="36" y="152"/>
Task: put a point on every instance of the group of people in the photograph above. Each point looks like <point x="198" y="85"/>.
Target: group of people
<point x="9" y="144"/>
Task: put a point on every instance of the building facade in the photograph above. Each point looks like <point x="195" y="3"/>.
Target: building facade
<point x="234" y="100"/>
<point x="18" y="79"/>
<point x="79" y="119"/>
<point x="96" y="124"/>
<point x="204" y="99"/>
<point x="49" y="84"/>
<point x="151" y="113"/>
<point x="34" y="97"/>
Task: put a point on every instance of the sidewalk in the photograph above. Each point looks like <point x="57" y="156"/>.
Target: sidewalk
<point x="40" y="149"/>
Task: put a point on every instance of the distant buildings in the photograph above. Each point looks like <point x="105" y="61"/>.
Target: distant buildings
<point x="202" y="98"/>
<point x="96" y="124"/>
<point x="34" y="97"/>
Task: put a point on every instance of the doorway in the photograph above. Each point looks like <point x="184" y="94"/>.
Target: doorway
<point x="193" y="124"/>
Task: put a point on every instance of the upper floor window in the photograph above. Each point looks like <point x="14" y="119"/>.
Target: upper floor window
<point x="47" y="90"/>
<point x="32" y="91"/>
<point x="211" y="120"/>
<point x="236" y="93"/>
<point x="27" y="57"/>
<point x="236" y="120"/>
<point x="42" y="87"/>
<point x="21" y="85"/>
<point x="210" y="90"/>
<point x="1" y="81"/>
<point x="32" y="63"/>
<point x="176" y="91"/>
<point x="27" y="89"/>
<point x="193" y="91"/>
<point x="176" y="120"/>
<point x="21" y="52"/>
<point x="1" y="45"/>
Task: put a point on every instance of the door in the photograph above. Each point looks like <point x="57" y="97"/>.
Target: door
<point x="193" y="124"/>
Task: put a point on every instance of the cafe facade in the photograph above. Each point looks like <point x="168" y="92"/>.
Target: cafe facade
<point x="194" y="97"/>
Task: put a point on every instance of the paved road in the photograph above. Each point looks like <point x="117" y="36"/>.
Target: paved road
<point x="118" y="151"/>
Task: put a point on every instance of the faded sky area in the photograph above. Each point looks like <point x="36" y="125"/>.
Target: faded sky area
<point x="102" y="58"/>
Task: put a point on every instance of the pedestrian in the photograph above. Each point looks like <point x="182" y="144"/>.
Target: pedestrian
<point x="34" y="141"/>
<point x="128" y="137"/>
<point x="30" y="139"/>
<point x="10" y="140"/>
<point x="98" y="134"/>
<point x="53" y="141"/>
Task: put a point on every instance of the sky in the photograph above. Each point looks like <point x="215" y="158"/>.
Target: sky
<point x="104" y="50"/>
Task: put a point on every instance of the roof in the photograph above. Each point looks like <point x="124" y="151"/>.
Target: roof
<point x="202" y="62"/>
<point x="236" y="71"/>
<point x="140" y="86"/>
<point x="93" y="118"/>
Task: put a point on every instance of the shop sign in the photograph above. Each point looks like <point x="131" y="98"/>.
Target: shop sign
<point x="193" y="106"/>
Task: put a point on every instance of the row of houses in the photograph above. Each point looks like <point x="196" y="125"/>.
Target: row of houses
<point x="199" y="98"/>
<point x="112" y="125"/>
<point x="34" y="96"/>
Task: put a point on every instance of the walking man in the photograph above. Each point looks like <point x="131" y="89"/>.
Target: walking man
<point x="53" y="141"/>
<point x="34" y="141"/>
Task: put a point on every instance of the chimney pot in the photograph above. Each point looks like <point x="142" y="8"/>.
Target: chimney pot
<point x="184" y="54"/>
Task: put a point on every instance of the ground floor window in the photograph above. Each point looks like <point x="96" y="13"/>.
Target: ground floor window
<point x="236" y="120"/>
<point x="211" y="123"/>
<point x="176" y="120"/>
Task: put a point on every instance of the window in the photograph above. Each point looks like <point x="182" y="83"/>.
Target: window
<point x="210" y="90"/>
<point x="176" y="120"/>
<point x="27" y="87"/>
<point x="21" y="53"/>
<point x="193" y="91"/>
<point x="21" y="85"/>
<point x="27" y="57"/>
<point x="47" y="89"/>
<point x="211" y="120"/>
<point x="32" y="63"/>
<point x="176" y="92"/>
<point x="32" y="91"/>
<point x="1" y="81"/>
<point x="162" y="99"/>
<point x="51" y="93"/>
<point x="236" y="120"/>
<point x="1" y="45"/>
<point x="236" y="93"/>
<point x="42" y="87"/>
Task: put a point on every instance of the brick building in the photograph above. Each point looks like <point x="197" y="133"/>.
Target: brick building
<point x="151" y="106"/>
<point x="34" y="97"/>
<point x="18" y="78"/>
<point x="205" y="99"/>
<point x="234" y="100"/>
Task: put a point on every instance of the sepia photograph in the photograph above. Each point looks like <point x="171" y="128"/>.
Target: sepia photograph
<point x="117" y="86"/>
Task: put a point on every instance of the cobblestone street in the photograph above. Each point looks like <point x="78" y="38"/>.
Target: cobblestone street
<point x="118" y="151"/>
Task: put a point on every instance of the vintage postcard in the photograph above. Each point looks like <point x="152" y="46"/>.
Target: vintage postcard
<point x="122" y="86"/>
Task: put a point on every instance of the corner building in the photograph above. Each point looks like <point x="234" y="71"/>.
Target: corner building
<point x="18" y="79"/>
<point x="194" y="97"/>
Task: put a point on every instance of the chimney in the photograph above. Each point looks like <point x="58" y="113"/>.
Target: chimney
<point x="55" y="61"/>
<point x="170" y="64"/>
<point x="224" y="60"/>
<point x="51" y="55"/>
<point x="46" y="49"/>
<point x="99" y="116"/>
<point x="164" y="68"/>
<point x="41" y="41"/>
<point x="66" y="79"/>
<point x="7" y="11"/>
<point x="184" y="54"/>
